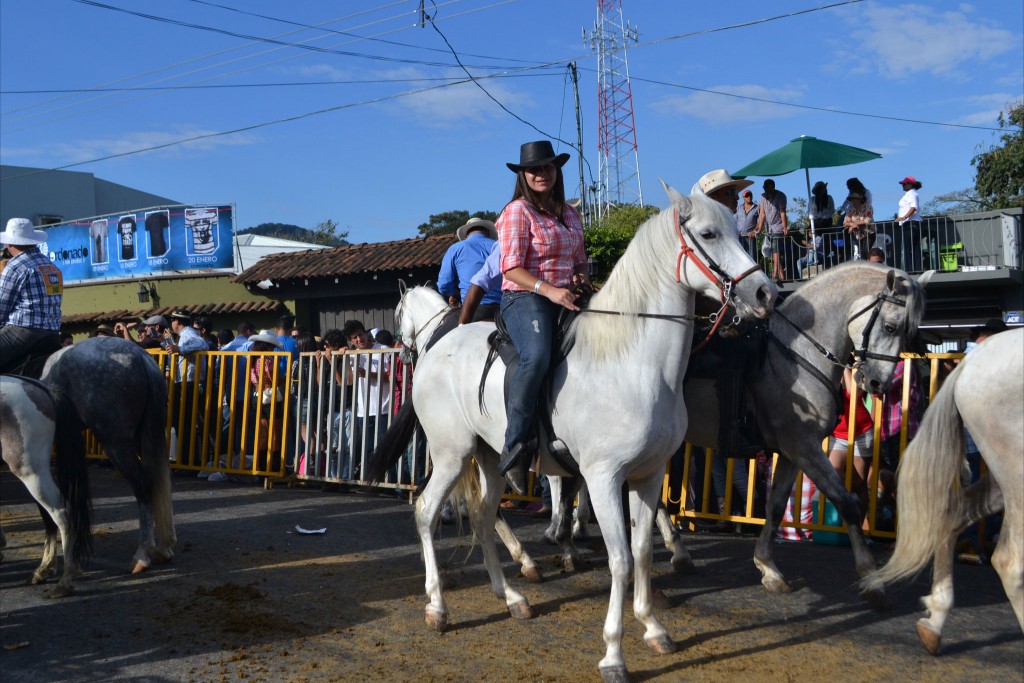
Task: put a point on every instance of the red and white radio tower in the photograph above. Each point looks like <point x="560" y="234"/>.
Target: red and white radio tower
<point x="618" y="161"/>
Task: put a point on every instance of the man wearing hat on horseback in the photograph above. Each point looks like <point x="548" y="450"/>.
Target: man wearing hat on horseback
<point x="31" y="292"/>
<point x="463" y="260"/>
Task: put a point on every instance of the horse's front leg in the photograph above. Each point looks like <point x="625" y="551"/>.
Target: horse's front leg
<point x="824" y="476"/>
<point x="481" y="513"/>
<point x="643" y="504"/>
<point x="782" y="484"/>
<point x="428" y="510"/>
<point x="606" y="494"/>
<point x="681" y="560"/>
<point x="561" y="521"/>
<point x="527" y="567"/>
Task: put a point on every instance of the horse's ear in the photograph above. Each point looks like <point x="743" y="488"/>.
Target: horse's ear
<point x="402" y="288"/>
<point x="890" y="279"/>
<point x="924" y="278"/>
<point x="674" y="195"/>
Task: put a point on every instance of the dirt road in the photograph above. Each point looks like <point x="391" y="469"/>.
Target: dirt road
<point x="248" y="598"/>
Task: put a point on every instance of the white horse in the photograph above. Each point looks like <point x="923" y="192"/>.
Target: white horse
<point x="622" y="435"/>
<point x="984" y="395"/>
<point x="31" y="417"/>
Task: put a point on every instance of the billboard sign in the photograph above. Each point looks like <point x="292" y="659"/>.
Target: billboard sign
<point x="145" y="243"/>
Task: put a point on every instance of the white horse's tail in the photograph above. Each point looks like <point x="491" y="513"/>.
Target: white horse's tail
<point x="929" y="495"/>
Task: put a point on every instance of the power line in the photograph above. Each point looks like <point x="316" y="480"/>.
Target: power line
<point x="272" y="41"/>
<point x="821" y="109"/>
<point x="228" y="86"/>
<point x="353" y="35"/>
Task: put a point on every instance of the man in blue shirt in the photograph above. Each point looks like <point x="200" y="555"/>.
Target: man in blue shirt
<point x="462" y="261"/>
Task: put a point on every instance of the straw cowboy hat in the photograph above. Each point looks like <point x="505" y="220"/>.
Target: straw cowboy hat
<point x="540" y="153"/>
<point x="477" y="224"/>
<point x="266" y="337"/>
<point x="719" y="179"/>
<point x="20" y="232"/>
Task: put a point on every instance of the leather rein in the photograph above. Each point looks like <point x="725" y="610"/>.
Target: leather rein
<point x="861" y="354"/>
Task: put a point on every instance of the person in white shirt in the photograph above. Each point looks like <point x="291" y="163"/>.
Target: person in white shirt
<point x="907" y="245"/>
<point x="371" y="375"/>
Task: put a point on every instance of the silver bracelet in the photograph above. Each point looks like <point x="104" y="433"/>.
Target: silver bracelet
<point x="536" y="287"/>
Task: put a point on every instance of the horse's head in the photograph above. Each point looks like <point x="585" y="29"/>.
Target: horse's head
<point x="416" y="316"/>
<point x="711" y="260"/>
<point x="881" y="327"/>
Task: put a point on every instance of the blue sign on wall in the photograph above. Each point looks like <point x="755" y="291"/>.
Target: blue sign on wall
<point x="157" y="241"/>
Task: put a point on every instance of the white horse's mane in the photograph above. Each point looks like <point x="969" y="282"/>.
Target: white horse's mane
<point x="645" y="269"/>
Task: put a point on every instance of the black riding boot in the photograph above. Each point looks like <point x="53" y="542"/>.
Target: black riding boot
<point x="515" y="464"/>
<point x="737" y="437"/>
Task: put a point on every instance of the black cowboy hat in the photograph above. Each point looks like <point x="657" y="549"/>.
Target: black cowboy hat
<point x="540" y="153"/>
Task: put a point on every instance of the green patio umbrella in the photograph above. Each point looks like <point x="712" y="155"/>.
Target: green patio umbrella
<point x="805" y="152"/>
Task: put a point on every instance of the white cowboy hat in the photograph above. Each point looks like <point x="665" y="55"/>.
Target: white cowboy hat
<point x="267" y="337"/>
<point x="719" y="179"/>
<point x="20" y="232"/>
<point x="477" y="224"/>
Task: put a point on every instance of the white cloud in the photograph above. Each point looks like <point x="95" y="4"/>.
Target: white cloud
<point x="465" y="102"/>
<point x="897" y="42"/>
<point x="721" y="109"/>
<point x="96" y="148"/>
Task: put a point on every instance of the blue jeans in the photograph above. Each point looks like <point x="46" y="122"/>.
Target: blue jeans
<point x="530" y="320"/>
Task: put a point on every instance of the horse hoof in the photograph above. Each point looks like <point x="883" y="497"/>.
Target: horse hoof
<point x="549" y="537"/>
<point x="776" y="585"/>
<point x="139" y="567"/>
<point x="615" y="674"/>
<point x="659" y="600"/>
<point x="929" y="637"/>
<point x="163" y="556"/>
<point x="436" y="621"/>
<point x="661" y="645"/>
<point x="520" y="610"/>
<point x="532" y="574"/>
<point x="60" y="591"/>
<point x="580" y="535"/>
<point x="571" y="565"/>
<point x="684" y="565"/>
<point x="877" y="599"/>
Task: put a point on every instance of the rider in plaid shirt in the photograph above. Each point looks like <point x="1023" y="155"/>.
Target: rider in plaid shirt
<point x="31" y="291"/>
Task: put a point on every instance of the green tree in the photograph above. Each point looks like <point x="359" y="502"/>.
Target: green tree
<point x="999" y="181"/>
<point x="326" y="233"/>
<point x="607" y="239"/>
<point x="448" y="222"/>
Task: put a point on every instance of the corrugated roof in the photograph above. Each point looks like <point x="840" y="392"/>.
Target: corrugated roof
<point x="194" y="309"/>
<point x="349" y="260"/>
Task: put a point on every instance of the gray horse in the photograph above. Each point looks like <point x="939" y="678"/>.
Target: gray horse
<point x="121" y="395"/>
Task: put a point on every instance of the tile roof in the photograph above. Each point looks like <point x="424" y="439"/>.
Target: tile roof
<point x="349" y="260"/>
<point x="194" y="309"/>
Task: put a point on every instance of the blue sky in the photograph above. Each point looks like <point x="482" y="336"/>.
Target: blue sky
<point x="380" y="160"/>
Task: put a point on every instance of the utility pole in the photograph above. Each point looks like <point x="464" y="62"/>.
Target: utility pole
<point x="619" y="161"/>
<point x="579" y="144"/>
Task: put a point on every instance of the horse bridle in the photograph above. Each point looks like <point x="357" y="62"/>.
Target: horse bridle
<point x="860" y="354"/>
<point x="411" y="344"/>
<point x="710" y="268"/>
<point x="863" y="354"/>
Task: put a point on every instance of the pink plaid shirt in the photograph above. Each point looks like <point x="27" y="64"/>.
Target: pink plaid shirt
<point x="892" y="406"/>
<point x="536" y="241"/>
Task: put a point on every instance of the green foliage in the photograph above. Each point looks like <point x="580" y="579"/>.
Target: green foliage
<point x="999" y="181"/>
<point x="607" y="239"/>
<point x="448" y="222"/>
<point x="950" y="203"/>
<point x="324" y="233"/>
